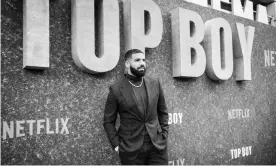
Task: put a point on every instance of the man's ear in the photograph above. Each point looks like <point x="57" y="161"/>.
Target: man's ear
<point x="127" y="64"/>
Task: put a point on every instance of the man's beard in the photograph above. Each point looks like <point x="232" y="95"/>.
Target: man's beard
<point x="138" y="73"/>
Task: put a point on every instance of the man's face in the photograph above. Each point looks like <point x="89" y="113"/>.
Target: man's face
<point x="137" y="64"/>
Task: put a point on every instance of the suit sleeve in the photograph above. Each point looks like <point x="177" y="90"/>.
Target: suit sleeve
<point x="162" y="112"/>
<point x="110" y="116"/>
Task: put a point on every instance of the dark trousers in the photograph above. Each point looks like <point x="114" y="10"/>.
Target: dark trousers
<point x="147" y="155"/>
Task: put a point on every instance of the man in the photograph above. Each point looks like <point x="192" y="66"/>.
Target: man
<point x="139" y="100"/>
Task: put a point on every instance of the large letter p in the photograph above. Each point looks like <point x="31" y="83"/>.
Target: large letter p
<point x="143" y="24"/>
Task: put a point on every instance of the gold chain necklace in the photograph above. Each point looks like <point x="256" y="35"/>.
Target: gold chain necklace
<point x="136" y="85"/>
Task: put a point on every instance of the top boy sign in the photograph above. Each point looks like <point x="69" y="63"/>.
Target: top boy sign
<point x="143" y="28"/>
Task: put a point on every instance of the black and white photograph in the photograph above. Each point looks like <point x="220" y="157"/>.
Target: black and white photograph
<point x="138" y="82"/>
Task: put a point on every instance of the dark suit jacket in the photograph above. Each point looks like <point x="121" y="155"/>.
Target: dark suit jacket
<point x="129" y="136"/>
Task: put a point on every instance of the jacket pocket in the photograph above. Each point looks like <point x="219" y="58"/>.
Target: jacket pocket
<point x="124" y="135"/>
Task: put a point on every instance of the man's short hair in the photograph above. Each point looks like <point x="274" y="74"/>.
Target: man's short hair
<point x="129" y="53"/>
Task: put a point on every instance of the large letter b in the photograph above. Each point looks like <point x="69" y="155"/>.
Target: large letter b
<point x="189" y="58"/>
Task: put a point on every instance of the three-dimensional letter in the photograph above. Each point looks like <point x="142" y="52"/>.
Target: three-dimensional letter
<point x="36" y="42"/>
<point x="219" y="49"/>
<point x="143" y="24"/>
<point x="243" y="50"/>
<point x="189" y="58"/>
<point x="86" y="29"/>
<point x="238" y="10"/>
<point x="261" y="14"/>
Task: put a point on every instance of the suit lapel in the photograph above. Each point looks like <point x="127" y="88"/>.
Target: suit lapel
<point x="127" y="93"/>
<point x="150" y="92"/>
